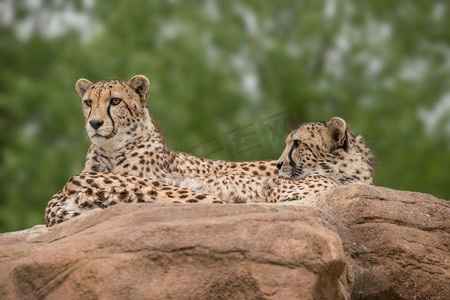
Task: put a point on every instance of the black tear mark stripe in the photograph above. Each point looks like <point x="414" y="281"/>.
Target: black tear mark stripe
<point x="108" y="111"/>
<point x="126" y="105"/>
<point x="90" y="108"/>
<point x="291" y="160"/>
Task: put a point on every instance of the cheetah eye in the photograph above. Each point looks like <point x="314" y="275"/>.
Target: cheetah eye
<point x="115" y="101"/>
<point x="295" y="144"/>
<point x="88" y="103"/>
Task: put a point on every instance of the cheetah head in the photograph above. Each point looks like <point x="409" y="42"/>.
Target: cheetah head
<point x="114" y="110"/>
<point x="326" y="149"/>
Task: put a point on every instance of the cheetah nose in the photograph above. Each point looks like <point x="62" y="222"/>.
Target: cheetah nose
<point x="279" y="165"/>
<point x="96" y="124"/>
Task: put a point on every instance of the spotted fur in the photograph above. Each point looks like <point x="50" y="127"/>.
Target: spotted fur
<point x="126" y="144"/>
<point x="129" y="141"/>
<point x="91" y="191"/>
<point x="127" y="148"/>
<point x="326" y="149"/>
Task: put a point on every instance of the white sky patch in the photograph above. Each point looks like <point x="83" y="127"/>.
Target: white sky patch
<point x="342" y="42"/>
<point x="293" y="49"/>
<point x="211" y="50"/>
<point x="88" y="3"/>
<point x="385" y="31"/>
<point x="438" y="11"/>
<point x="334" y="56"/>
<point x="250" y="84"/>
<point x="33" y="4"/>
<point x="51" y="23"/>
<point x="249" y="79"/>
<point x="414" y="70"/>
<point x="329" y="9"/>
<point x="169" y="30"/>
<point x="374" y="67"/>
<point x="30" y="129"/>
<point x="377" y="32"/>
<point x="6" y="13"/>
<point x="333" y="62"/>
<point x="24" y="29"/>
<point x="211" y="11"/>
<point x="238" y="62"/>
<point x="249" y="19"/>
<point x="436" y="116"/>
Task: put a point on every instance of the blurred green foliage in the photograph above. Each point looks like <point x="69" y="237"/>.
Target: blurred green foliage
<point x="229" y="79"/>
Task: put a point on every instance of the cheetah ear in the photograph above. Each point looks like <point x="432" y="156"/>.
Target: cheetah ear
<point x="82" y="85"/>
<point x="338" y="129"/>
<point x="140" y="84"/>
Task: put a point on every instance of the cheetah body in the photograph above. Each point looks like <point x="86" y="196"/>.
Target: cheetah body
<point x="128" y="161"/>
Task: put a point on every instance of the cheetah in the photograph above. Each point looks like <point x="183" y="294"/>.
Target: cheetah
<point x="318" y="156"/>
<point x="125" y="139"/>
<point x="128" y="161"/>
<point x="121" y="129"/>
<point x="326" y="149"/>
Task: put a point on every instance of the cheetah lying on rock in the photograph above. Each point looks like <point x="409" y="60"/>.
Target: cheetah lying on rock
<point x="129" y="162"/>
<point x="318" y="156"/>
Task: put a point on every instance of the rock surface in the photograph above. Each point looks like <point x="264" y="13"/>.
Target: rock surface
<point x="398" y="243"/>
<point x="142" y="251"/>
<point x="357" y="241"/>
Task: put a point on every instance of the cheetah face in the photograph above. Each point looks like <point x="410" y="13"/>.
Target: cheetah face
<point x="113" y="109"/>
<point x="312" y="148"/>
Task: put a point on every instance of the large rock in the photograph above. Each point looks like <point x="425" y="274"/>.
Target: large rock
<point x="397" y="246"/>
<point x="398" y="243"/>
<point x="146" y="251"/>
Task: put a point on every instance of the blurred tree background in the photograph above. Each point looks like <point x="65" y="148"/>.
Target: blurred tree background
<point x="229" y="79"/>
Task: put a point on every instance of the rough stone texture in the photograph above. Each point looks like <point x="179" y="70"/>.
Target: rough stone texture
<point x="397" y="246"/>
<point x="398" y="243"/>
<point x="142" y="251"/>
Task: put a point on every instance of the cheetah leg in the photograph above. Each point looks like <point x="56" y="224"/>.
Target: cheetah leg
<point x="233" y="188"/>
<point x="92" y="191"/>
<point x="283" y="190"/>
